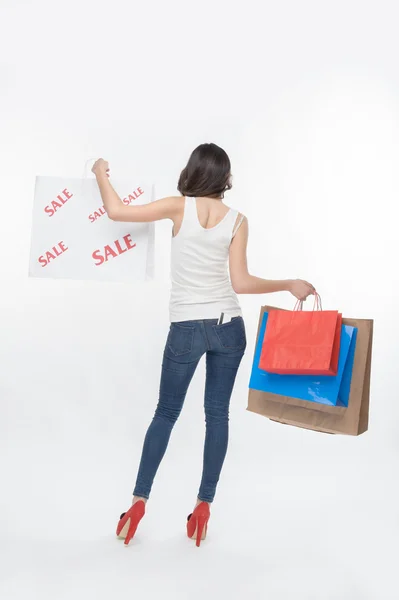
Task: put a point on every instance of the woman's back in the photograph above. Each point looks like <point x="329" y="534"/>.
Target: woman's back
<point x="210" y="211"/>
<point x="201" y="287"/>
<point x="202" y="248"/>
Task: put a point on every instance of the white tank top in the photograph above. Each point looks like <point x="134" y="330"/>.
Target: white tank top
<point x="201" y="287"/>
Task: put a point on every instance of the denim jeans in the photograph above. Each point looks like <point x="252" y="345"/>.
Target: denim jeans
<point x="224" y="346"/>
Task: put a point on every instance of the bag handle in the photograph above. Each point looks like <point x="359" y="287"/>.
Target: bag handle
<point x="93" y="160"/>
<point x="316" y="306"/>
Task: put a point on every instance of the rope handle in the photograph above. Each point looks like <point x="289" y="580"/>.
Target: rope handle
<point x="316" y="306"/>
<point x="84" y="176"/>
<point x="86" y="182"/>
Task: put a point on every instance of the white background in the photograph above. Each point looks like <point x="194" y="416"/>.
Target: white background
<point x="304" y="96"/>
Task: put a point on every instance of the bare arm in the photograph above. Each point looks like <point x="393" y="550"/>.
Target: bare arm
<point x="167" y="208"/>
<point x="244" y="283"/>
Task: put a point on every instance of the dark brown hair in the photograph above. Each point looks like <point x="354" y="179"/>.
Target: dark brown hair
<point x="208" y="173"/>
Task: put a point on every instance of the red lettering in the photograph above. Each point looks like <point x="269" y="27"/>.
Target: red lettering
<point x="119" y="248"/>
<point x="97" y="214"/>
<point x="52" y="254"/>
<point x="129" y="242"/>
<point x="49" y="256"/>
<point x="97" y="257"/>
<point x="56" y="205"/>
<point x="110" y="252"/>
<point x="49" y="211"/>
<point x="52" y="209"/>
<point x="67" y="195"/>
<point x="133" y="196"/>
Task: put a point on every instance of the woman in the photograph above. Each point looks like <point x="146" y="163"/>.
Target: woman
<point x="208" y="237"/>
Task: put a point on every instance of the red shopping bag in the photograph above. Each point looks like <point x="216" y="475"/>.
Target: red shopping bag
<point x="302" y="343"/>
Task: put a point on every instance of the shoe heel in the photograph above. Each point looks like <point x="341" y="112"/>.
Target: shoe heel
<point x="201" y="529"/>
<point x="129" y="521"/>
<point x="122" y="535"/>
<point x="197" y="523"/>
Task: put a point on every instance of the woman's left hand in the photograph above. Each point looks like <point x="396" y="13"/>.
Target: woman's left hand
<point x="301" y="289"/>
<point x="100" y="167"/>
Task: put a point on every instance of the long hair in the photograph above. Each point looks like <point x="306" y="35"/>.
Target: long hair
<point x="208" y="173"/>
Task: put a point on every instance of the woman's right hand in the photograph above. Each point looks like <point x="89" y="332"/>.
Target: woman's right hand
<point x="100" y="167"/>
<point x="301" y="289"/>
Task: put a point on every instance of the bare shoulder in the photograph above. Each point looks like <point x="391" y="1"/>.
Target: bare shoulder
<point x="240" y="232"/>
<point x="241" y="221"/>
<point x="240" y="215"/>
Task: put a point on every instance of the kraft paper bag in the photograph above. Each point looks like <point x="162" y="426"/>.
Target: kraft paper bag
<point x="352" y="420"/>
<point x="73" y="238"/>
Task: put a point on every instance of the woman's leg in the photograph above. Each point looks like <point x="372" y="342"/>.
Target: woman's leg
<point x="221" y="371"/>
<point x="177" y="372"/>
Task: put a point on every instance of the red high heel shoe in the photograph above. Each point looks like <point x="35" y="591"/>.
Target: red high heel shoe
<point x="129" y="521"/>
<point x="197" y="523"/>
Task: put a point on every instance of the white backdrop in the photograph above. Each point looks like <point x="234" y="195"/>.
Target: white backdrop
<point x="304" y="97"/>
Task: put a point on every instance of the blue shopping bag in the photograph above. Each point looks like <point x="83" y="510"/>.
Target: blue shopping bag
<point x="330" y="390"/>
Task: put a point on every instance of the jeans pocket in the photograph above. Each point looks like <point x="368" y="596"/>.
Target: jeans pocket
<point x="180" y="339"/>
<point x="232" y="335"/>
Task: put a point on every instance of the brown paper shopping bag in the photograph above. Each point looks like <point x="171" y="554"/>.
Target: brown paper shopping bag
<point x="318" y="417"/>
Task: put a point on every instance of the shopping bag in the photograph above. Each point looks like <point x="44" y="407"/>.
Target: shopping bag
<point x="73" y="238"/>
<point x="302" y="343"/>
<point x="321" y="389"/>
<point x="352" y="420"/>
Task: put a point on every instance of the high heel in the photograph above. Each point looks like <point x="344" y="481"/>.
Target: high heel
<point x="129" y="521"/>
<point x="197" y="523"/>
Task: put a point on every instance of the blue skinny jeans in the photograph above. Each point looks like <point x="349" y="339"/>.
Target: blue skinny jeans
<point x="224" y="346"/>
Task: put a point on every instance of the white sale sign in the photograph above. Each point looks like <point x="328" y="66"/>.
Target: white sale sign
<point x="73" y="238"/>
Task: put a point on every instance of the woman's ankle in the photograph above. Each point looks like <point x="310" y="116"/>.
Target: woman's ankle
<point x="138" y="498"/>
<point x="200" y="502"/>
